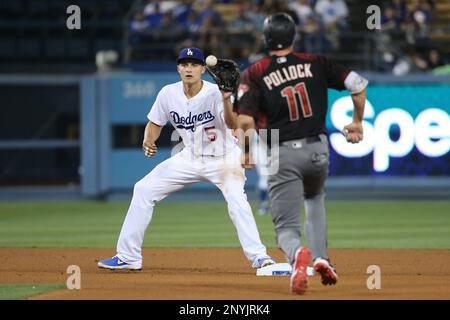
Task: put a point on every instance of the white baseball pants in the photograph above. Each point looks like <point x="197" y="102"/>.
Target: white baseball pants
<point x="175" y="173"/>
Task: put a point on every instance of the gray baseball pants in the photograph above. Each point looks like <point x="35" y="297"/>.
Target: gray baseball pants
<point x="303" y="169"/>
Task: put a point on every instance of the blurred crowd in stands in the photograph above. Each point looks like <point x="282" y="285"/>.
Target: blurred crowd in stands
<point x="159" y="28"/>
<point x="154" y="30"/>
<point x="403" y="43"/>
<point x="55" y="10"/>
<point x="235" y="33"/>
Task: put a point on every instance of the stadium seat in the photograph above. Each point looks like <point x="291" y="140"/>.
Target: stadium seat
<point x="12" y="9"/>
<point x="78" y="48"/>
<point x="7" y="47"/>
<point x="55" y="48"/>
<point x="88" y="8"/>
<point x="113" y="6"/>
<point x="29" y="48"/>
<point x="227" y="11"/>
<point x="105" y="44"/>
<point x="38" y="9"/>
<point x="59" y="5"/>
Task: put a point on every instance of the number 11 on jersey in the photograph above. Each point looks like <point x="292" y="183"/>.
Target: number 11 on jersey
<point x="290" y="94"/>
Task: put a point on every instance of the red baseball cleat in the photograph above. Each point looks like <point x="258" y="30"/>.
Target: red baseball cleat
<point x="326" y="270"/>
<point x="299" y="277"/>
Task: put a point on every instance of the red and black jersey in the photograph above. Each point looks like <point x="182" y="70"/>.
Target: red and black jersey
<point x="291" y="91"/>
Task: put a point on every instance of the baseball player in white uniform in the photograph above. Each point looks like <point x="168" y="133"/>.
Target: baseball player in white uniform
<point x="194" y="107"/>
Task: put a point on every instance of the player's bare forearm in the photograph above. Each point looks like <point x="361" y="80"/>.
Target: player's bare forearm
<point x="359" y="101"/>
<point x="354" y="131"/>
<point x="151" y="134"/>
<point x="229" y="115"/>
<point x="246" y="125"/>
<point x="246" y="122"/>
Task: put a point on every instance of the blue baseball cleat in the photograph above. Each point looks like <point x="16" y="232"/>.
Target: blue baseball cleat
<point x="115" y="263"/>
<point x="263" y="262"/>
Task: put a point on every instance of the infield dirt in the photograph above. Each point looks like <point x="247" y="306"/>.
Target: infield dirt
<point x="225" y="274"/>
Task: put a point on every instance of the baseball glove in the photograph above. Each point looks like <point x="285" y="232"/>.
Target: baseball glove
<point x="226" y="74"/>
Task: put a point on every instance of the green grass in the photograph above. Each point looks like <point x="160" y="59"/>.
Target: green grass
<point x="358" y="224"/>
<point x="23" y="291"/>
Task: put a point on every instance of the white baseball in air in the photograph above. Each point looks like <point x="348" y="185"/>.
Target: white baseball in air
<point x="211" y="60"/>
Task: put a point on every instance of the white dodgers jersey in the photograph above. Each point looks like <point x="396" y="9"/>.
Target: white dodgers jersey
<point x="198" y="120"/>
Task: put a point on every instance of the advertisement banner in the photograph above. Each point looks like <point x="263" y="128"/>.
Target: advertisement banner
<point x="406" y="132"/>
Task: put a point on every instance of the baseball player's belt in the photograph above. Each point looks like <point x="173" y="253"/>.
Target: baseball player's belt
<point x="298" y="143"/>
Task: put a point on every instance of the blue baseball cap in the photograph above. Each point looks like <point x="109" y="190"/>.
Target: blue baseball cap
<point x="191" y="53"/>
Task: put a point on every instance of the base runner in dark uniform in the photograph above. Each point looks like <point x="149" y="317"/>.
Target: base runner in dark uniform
<point x="290" y="89"/>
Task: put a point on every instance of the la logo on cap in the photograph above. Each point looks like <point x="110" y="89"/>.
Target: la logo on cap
<point x="189" y="52"/>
